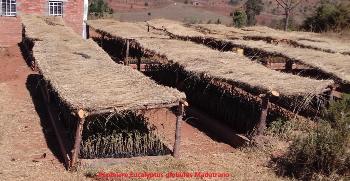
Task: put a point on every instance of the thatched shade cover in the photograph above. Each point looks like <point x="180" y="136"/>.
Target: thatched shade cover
<point x="335" y="64"/>
<point x="226" y="66"/>
<point x="305" y="39"/>
<point x="85" y="77"/>
<point x="297" y="38"/>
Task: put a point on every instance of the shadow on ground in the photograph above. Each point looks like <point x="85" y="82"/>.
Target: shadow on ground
<point x="33" y="87"/>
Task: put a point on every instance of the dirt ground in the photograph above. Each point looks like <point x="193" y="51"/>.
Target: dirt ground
<point x="28" y="148"/>
<point x="25" y="153"/>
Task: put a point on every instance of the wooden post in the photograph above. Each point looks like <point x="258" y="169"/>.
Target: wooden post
<point x="176" y="78"/>
<point x="147" y="27"/>
<point x="240" y="51"/>
<point x="263" y="115"/>
<point x="126" y="61"/>
<point x="78" y="133"/>
<point x="177" y="143"/>
<point x="139" y="63"/>
<point x="87" y="31"/>
<point x="289" y="66"/>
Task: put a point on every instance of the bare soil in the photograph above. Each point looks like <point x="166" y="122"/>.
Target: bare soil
<point x="26" y="141"/>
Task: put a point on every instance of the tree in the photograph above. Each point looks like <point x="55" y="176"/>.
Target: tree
<point x="253" y="8"/>
<point x="234" y="2"/>
<point x="329" y="16"/>
<point x="239" y="19"/>
<point x="288" y="6"/>
<point x="99" y="7"/>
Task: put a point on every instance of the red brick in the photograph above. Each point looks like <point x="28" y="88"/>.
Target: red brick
<point x="10" y="31"/>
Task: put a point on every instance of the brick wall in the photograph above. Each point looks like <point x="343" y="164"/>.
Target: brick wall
<point x="10" y="31"/>
<point x="72" y="11"/>
<point x="38" y="7"/>
<point x="73" y="14"/>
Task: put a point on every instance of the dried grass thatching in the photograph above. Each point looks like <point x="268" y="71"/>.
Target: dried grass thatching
<point x="334" y="64"/>
<point x="296" y="38"/>
<point x="164" y="24"/>
<point x="127" y="30"/>
<point x="337" y="65"/>
<point x="85" y="77"/>
<point x="303" y="39"/>
<point x="226" y="66"/>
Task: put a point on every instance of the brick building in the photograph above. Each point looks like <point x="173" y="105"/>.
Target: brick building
<point x="72" y="11"/>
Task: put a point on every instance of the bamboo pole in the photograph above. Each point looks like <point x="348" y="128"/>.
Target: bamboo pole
<point x="179" y="117"/>
<point x="78" y="133"/>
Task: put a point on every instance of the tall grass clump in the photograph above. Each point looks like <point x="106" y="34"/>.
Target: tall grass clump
<point x="325" y="150"/>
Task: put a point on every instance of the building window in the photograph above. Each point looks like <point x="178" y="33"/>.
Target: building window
<point x="55" y="8"/>
<point x="7" y="7"/>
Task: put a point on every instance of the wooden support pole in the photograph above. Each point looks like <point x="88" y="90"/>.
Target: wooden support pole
<point x="87" y="31"/>
<point x="78" y="133"/>
<point x="289" y="66"/>
<point x="177" y="143"/>
<point x="177" y="78"/>
<point x="126" y="60"/>
<point x="139" y="63"/>
<point x="52" y="114"/>
<point x="263" y="115"/>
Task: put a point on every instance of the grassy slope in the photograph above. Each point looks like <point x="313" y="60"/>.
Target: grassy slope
<point x="208" y="10"/>
<point x="178" y="12"/>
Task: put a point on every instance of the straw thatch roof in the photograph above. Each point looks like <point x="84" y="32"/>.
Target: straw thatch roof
<point x="139" y="30"/>
<point x="173" y="26"/>
<point x="337" y="65"/>
<point x="85" y="77"/>
<point x="334" y="64"/>
<point x="305" y="39"/>
<point x="227" y="66"/>
<point x="302" y="39"/>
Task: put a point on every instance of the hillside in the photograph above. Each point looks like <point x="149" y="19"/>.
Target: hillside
<point x="203" y="11"/>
